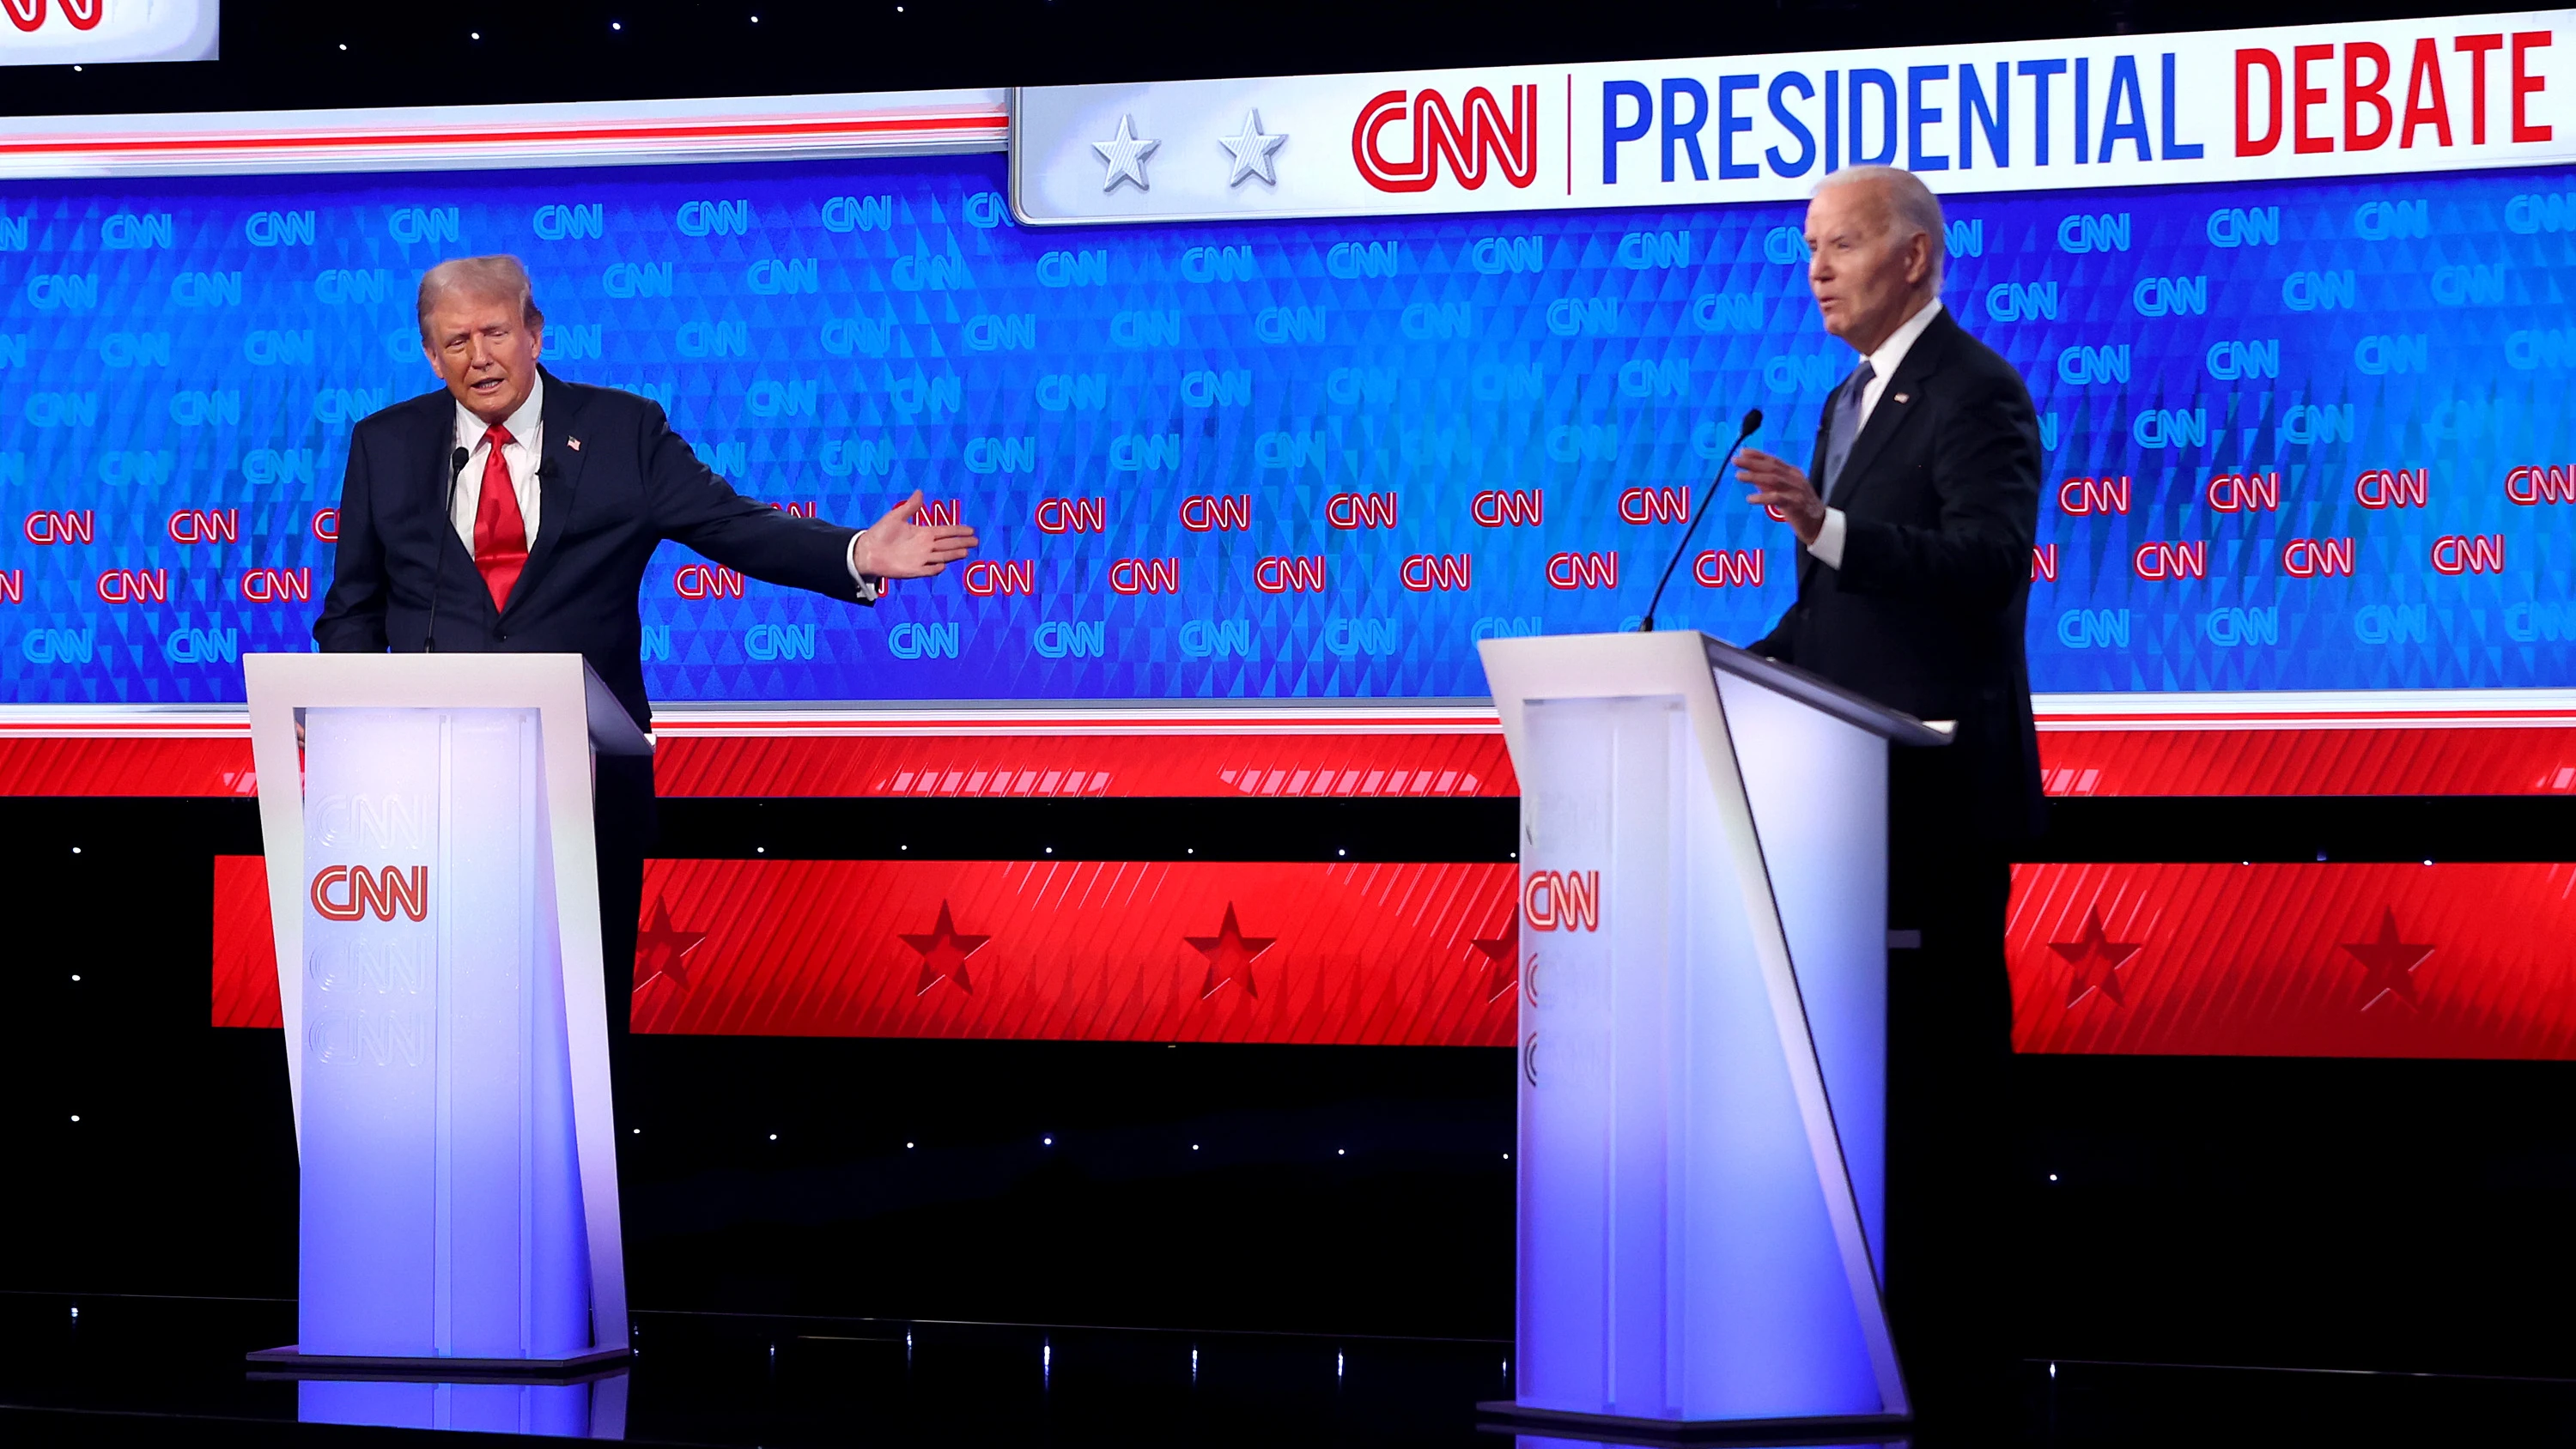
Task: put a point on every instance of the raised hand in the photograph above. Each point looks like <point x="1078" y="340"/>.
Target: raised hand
<point x="1783" y="490"/>
<point x="896" y="547"/>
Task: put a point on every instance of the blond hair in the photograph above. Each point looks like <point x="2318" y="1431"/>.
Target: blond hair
<point x="499" y="277"/>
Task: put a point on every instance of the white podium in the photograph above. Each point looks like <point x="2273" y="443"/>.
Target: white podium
<point x="1703" y="1031"/>
<point x="435" y="898"/>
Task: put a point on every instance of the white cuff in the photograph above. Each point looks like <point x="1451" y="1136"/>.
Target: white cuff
<point x="1828" y="547"/>
<point x="869" y="588"/>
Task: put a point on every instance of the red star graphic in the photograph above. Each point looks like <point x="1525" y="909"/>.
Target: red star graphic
<point x="944" y="953"/>
<point x="1230" y="955"/>
<point x="662" y="951"/>
<point x="1502" y="957"/>
<point x="2390" y="961"/>
<point x="2096" y="961"/>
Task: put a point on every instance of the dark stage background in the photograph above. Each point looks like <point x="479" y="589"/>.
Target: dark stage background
<point x="2384" y="1214"/>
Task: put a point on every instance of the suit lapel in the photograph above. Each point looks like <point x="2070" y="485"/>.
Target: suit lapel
<point x="1904" y="395"/>
<point x="1808" y="562"/>
<point x="441" y="477"/>
<point x="558" y="477"/>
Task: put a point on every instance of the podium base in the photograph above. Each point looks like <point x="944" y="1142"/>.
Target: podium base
<point x="291" y="1362"/>
<point x="1506" y="1415"/>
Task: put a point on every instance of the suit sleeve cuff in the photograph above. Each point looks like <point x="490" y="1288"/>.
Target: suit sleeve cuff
<point x="1828" y="547"/>
<point x="869" y="587"/>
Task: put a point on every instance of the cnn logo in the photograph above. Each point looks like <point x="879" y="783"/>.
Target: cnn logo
<point x="352" y="893"/>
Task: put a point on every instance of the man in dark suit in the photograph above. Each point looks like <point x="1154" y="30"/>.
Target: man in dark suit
<point x="515" y="512"/>
<point x="1913" y="579"/>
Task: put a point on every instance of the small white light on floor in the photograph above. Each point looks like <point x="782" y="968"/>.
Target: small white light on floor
<point x="474" y="35"/>
<point x="2052" y="1370"/>
<point x="1194" y="1147"/>
<point x="75" y="976"/>
<point x="344" y="45"/>
<point x="76" y="849"/>
<point x="773" y="1136"/>
<point x="1341" y="852"/>
<point x="2428" y="862"/>
<point x="760" y="850"/>
<point x="907" y="1147"/>
<point x="1341" y="1152"/>
<point x="1337" y="1364"/>
<point x="2052" y="1177"/>
<point x="1050" y="850"/>
<point x="76" y="1314"/>
<point x="1049" y="1141"/>
<point x="1194" y="850"/>
<point x="1507" y="1157"/>
<point x="75" y="1116"/>
<point x="636" y="1132"/>
<point x="617" y="25"/>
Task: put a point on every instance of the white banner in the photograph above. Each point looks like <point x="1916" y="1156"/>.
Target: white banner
<point x="92" y="32"/>
<point x="2327" y="100"/>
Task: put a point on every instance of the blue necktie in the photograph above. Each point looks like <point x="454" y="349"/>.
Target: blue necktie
<point x="1845" y="428"/>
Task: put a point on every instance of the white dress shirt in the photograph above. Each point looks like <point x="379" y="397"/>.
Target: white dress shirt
<point x="1828" y="547"/>
<point x="525" y="450"/>
<point x="523" y="453"/>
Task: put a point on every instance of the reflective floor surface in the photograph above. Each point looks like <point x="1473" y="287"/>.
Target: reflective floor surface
<point x="170" y="1371"/>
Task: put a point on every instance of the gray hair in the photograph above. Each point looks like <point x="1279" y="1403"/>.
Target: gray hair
<point x="493" y="278"/>
<point x="1911" y="207"/>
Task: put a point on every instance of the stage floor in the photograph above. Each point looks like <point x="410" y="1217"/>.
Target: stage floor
<point x="170" y="1371"/>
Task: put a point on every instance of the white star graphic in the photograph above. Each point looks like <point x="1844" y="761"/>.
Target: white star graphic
<point x="1252" y="151"/>
<point x="1126" y="157"/>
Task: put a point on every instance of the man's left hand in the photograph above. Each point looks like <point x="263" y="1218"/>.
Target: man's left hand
<point x="898" y="547"/>
<point x="1783" y="490"/>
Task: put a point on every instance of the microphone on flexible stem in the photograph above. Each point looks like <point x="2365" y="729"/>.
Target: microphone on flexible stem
<point x="1752" y="421"/>
<point x="446" y="521"/>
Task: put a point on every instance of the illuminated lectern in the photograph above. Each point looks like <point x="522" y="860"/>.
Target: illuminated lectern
<point x="436" y="903"/>
<point x="1703" y="1038"/>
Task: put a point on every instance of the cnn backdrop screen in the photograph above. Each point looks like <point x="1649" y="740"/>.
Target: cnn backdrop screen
<point x="2296" y="435"/>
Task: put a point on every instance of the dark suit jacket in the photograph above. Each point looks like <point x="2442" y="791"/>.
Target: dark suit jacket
<point x="1940" y="498"/>
<point x="602" y="509"/>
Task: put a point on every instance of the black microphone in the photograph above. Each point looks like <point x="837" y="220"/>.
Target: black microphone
<point x="446" y="521"/>
<point x="1752" y="421"/>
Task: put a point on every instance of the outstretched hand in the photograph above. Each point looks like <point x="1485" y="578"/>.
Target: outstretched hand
<point x="1782" y="489"/>
<point x="897" y="547"/>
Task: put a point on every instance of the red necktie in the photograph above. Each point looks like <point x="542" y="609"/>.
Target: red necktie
<point x="500" y="534"/>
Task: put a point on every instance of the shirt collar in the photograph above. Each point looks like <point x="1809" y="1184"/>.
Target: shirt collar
<point x="1891" y="353"/>
<point x="522" y="423"/>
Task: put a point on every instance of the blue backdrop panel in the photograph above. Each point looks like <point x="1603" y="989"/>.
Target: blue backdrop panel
<point x="2298" y="436"/>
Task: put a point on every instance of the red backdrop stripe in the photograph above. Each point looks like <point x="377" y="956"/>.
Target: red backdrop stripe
<point x="2482" y="760"/>
<point x="2333" y="959"/>
<point x="1074" y="950"/>
<point x="2353" y="960"/>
